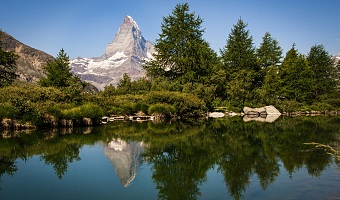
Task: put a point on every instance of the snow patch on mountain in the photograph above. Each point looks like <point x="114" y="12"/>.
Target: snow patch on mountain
<point x="125" y="54"/>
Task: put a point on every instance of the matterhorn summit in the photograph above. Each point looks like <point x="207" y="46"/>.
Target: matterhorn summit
<point x="125" y="54"/>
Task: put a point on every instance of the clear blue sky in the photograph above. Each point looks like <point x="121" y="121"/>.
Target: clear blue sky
<point x="85" y="27"/>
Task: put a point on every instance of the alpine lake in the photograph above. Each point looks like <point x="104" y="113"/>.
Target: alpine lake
<point x="291" y="158"/>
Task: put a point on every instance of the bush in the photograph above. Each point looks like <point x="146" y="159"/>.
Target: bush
<point x="333" y="102"/>
<point x="321" y="107"/>
<point x="7" y="110"/>
<point x="160" y="108"/>
<point x="88" y="110"/>
<point x="92" y="111"/>
<point x="185" y="104"/>
<point x="289" y="106"/>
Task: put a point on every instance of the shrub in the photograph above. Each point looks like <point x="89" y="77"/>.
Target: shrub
<point x="88" y="110"/>
<point x="333" y="102"/>
<point x="161" y="108"/>
<point x="185" y="104"/>
<point x="320" y="106"/>
<point x="7" y="110"/>
<point x="289" y="106"/>
<point x="91" y="111"/>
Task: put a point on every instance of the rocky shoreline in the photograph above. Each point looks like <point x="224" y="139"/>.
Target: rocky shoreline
<point x="263" y="114"/>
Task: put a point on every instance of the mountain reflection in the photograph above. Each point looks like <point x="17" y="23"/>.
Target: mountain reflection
<point x="180" y="154"/>
<point x="125" y="158"/>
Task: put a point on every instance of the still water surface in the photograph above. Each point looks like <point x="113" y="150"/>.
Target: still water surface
<point x="216" y="159"/>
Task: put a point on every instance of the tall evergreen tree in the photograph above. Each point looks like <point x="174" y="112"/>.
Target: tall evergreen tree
<point x="8" y="65"/>
<point x="182" y="54"/>
<point x="58" y="72"/>
<point x="269" y="53"/>
<point x="239" y="52"/>
<point x="296" y="78"/>
<point x="240" y="62"/>
<point x="325" y="73"/>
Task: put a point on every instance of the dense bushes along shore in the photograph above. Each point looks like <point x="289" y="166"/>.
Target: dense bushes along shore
<point x="49" y="106"/>
<point x="32" y="105"/>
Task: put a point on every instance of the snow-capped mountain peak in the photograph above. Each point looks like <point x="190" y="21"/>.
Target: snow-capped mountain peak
<point x="125" y="54"/>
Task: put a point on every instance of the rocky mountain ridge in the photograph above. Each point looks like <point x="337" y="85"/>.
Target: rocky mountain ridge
<point x="125" y="54"/>
<point x="30" y="62"/>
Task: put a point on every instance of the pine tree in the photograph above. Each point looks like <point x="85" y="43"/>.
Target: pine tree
<point x="58" y="72"/>
<point x="296" y="78"/>
<point x="269" y="53"/>
<point x="325" y="74"/>
<point x="182" y="54"/>
<point x="240" y="62"/>
<point x="239" y="52"/>
<point x="8" y="65"/>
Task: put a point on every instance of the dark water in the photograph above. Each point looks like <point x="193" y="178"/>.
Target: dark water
<point x="215" y="159"/>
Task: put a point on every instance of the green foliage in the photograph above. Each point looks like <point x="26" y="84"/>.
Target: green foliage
<point x="185" y="104"/>
<point x="8" y="66"/>
<point x="240" y="87"/>
<point x="182" y="54"/>
<point x="321" y="106"/>
<point x="296" y="81"/>
<point x="325" y="74"/>
<point x="239" y="52"/>
<point x="240" y="62"/>
<point x="269" y="53"/>
<point x="58" y="72"/>
<point x="88" y="110"/>
<point x="7" y="110"/>
<point x="289" y="106"/>
<point x="161" y="108"/>
<point x="333" y="102"/>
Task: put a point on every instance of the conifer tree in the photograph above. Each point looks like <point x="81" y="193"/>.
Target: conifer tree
<point x="296" y="78"/>
<point x="239" y="52"/>
<point x="269" y="53"/>
<point x="8" y="65"/>
<point x="240" y="62"/>
<point x="182" y="54"/>
<point x="58" y="72"/>
<point x="325" y="74"/>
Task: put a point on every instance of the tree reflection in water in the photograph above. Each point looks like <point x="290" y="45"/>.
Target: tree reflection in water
<point x="181" y="154"/>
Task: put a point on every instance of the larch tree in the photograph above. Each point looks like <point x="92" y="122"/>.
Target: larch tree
<point x="269" y="53"/>
<point x="182" y="54"/>
<point x="325" y="74"/>
<point x="240" y="62"/>
<point x="269" y="56"/>
<point x="296" y="78"/>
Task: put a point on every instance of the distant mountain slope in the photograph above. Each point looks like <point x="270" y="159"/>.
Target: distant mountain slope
<point x="30" y="62"/>
<point x="125" y="54"/>
<point x="337" y="57"/>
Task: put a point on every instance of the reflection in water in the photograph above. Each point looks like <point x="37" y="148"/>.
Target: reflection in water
<point x="267" y="118"/>
<point x="246" y="156"/>
<point x="125" y="158"/>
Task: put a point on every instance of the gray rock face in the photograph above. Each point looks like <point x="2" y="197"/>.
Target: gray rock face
<point x="30" y="62"/>
<point x="125" y="54"/>
<point x="125" y="158"/>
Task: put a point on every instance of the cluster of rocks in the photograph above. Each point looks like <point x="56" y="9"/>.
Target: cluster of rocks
<point x="9" y="124"/>
<point x="263" y="114"/>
